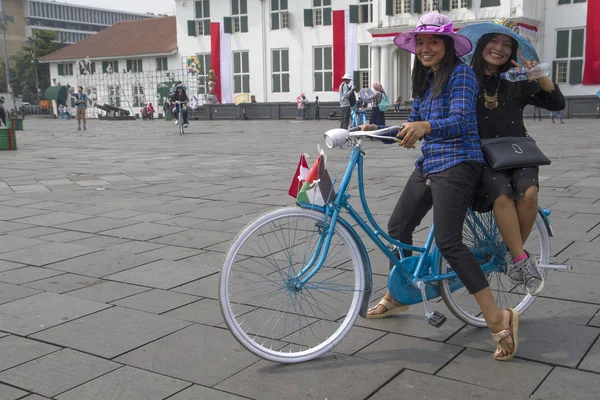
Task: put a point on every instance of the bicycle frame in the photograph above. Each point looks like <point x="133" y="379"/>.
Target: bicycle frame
<point x="180" y="117"/>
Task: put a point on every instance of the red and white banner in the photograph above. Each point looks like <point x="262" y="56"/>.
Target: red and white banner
<point x="591" y="72"/>
<point x="345" y="46"/>
<point x="220" y="62"/>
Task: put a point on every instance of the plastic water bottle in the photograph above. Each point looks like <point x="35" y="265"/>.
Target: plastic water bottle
<point x="523" y="74"/>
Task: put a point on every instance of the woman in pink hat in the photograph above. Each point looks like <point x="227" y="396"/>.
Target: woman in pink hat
<point x="449" y="170"/>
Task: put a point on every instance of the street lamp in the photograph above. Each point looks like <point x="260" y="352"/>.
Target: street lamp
<point x="4" y="20"/>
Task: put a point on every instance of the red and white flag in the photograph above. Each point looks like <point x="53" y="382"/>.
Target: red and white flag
<point x="299" y="177"/>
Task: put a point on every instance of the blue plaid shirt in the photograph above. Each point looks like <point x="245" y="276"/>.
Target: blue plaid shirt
<point x="454" y="137"/>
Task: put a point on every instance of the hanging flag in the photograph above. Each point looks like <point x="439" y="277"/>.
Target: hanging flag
<point x="317" y="188"/>
<point x="193" y="102"/>
<point x="299" y="176"/>
<point x="591" y="74"/>
<point x="345" y="46"/>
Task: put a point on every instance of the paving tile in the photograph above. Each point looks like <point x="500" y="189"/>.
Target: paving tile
<point x="47" y="253"/>
<point x="347" y="378"/>
<point x="65" y="236"/>
<point x="6" y="226"/>
<point x="13" y="242"/>
<point x="35" y="397"/>
<point x="577" y="287"/>
<point x="595" y="321"/>
<point x="143" y="231"/>
<point x="107" y="291"/>
<point x="53" y="218"/>
<point x="97" y="224"/>
<point x="15" y="350"/>
<point x="200" y="392"/>
<point x="585" y="267"/>
<point x="416" y="385"/>
<point x="101" y="263"/>
<point x="157" y="301"/>
<point x="205" y="287"/>
<point x="99" y="241"/>
<point x="566" y="345"/>
<point x="27" y="274"/>
<point x="135" y="247"/>
<point x="41" y="311"/>
<point x="195" y="238"/>
<point x="591" y="362"/>
<point x="63" y="283"/>
<point x="10" y="293"/>
<point x="163" y="274"/>
<point x="563" y="383"/>
<point x="10" y="393"/>
<point x="57" y="372"/>
<point x="7" y="265"/>
<point x="408" y="352"/>
<point x="111" y="332"/>
<point x="173" y="253"/>
<point x="207" y="312"/>
<point x="126" y="384"/>
<point x="183" y="355"/>
<point x="479" y="368"/>
<point x="36" y="231"/>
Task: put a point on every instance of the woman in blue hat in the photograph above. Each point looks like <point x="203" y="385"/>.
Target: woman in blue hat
<point x="513" y="193"/>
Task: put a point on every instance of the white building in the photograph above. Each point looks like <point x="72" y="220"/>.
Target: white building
<point x="277" y="49"/>
<point x="72" y="22"/>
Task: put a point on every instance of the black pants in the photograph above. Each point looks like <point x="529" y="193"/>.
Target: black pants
<point x="345" y="120"/>
<point x="185" y="115"/>
<point x="450" y="193"/>
<point x="317" y="114"/>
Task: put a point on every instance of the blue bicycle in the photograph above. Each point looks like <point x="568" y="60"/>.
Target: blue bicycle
<point x="180" y="121"/>
<point x="295" y="279"/>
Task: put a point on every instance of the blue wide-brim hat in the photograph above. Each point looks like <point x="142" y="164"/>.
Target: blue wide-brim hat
<point x="475" y="31"/>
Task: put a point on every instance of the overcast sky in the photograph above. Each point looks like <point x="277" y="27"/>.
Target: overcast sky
<point x="140" y="6"/>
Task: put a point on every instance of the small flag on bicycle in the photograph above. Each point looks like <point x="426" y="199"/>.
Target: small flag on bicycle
<point x="317" y="188"/>
<point x="299" y="177"/>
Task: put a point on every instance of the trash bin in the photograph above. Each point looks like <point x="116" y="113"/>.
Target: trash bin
<point x="169" y="117"/>
<point x="8" y="139"/>
<point x="17" y="121"/>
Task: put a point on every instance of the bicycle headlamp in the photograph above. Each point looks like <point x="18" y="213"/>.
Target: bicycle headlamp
<point x="336" y="137"/>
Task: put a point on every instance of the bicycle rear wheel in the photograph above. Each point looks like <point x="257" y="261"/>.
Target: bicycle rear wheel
<point x="483" y="238"/>
<point x="260" y="301"/>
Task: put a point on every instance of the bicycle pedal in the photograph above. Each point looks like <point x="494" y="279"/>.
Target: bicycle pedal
<point x="436" y="319"/>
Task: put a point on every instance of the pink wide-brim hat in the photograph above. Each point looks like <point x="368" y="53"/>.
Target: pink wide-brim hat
<point x="433" y="24"/>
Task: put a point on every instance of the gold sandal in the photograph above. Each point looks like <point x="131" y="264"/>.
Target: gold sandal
<point x="390" y="307"/>
<point x="513" y="331"/>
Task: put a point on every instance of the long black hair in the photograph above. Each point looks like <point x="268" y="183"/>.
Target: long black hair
<point x="478" y="63"/>
<point x="441" y="76"/>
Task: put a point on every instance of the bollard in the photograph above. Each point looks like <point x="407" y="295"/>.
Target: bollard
<point x="8" y="139"/>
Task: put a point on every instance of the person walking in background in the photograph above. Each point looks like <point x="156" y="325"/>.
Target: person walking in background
<point x="537" y="111"/>
<point x="317" y="109"/>
<point x="377" y="116"/>
<point x="559" y="116"/>
<point x="303" y="107"/>
<point x="81" y="104"/>
<point x="345" y="92"/>
<point x="2" y="111"/>
<point x="399" y="104"/>
<point x="151" y="112"/>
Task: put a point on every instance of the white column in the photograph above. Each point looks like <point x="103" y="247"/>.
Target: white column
<point x="385" y="67"/>
<point x="395" y="80"/>
<point x="375" y="64"/>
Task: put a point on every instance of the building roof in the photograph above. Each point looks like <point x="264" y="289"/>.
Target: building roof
<point x="123" y="39"/>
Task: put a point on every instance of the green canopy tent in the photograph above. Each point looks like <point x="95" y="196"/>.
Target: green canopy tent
<point x="58" y="93"/>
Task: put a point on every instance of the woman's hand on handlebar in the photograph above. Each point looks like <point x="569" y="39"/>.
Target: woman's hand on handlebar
<point x="412" y="132"/>
<point x="368" y="127"/>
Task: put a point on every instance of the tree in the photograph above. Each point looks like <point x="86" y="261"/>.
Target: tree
<point x="25" y="64"/>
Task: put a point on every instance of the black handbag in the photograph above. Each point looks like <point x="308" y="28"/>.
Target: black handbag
<point x="512" y="152"/>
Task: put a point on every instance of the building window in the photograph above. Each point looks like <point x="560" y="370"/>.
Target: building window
<point x="203" y="68"/>
<point x="134" y="65"/>
<point x="89" y="68"/>
<point x="402" y="7"/>
<point x="65" y="69"/>
<point x="458" y="4"/>
<point x="570" y="1"/>
<point x="114" y="96"/>
<point x="365" y="11"/>
<point x="241" y="72"/>
<point x="323" y="69"/>
<point x="490" y="3"/>
<point x="239" y="16"/>
<point x="110" y="66"/>
<point x="162" y="64"/>
<point x="203" y="17"/>
<point x="138" y="96"/>
<point x="364" y="65"/>
<point x="281" y="71"/>
<point x="321" y="12"/>
<point x="568" y="65"/>
<point x="279" y="14"/>
<point x="431" y="5"/>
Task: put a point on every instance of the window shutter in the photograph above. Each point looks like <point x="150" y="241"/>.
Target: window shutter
<point x="158" y="64"/>
<point x="129" y="67"/>
<point x="564" y="1"/>
<point x="469" y="3"/>
<point x="104" y="66"/>
<point x="417" y="6"/>
<point x="191" y="28"/>
<point x="206" y="27"/>
<point x="354" y="14"/>
<point x="93" y="67"/>
<point x="244" y="23"/>
<point x="446" y="5"/>
<point x="308" y="17"/>
<point x="274" y="21"/>
<point x="356" y="79"/>
<point x="227" y="24"/>
<point x="389" y="7"/>
<point x="575" y="72"/>
<point x="116" y="67"/>
<point x="61" y="69"/>
<point x="553" y="77"/>
<point x="327" y="16"/>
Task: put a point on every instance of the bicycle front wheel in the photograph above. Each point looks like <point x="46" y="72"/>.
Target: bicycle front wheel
<point x="259" y="296"/>
<point x="483" y="238"/>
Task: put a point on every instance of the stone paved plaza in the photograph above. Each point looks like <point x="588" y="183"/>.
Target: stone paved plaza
<point x="111" y="242"/>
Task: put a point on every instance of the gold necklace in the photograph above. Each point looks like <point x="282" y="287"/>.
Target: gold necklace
<point x="491" y="102"/>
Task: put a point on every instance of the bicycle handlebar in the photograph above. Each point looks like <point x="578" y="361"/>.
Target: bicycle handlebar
<point x="341" y="137"/>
